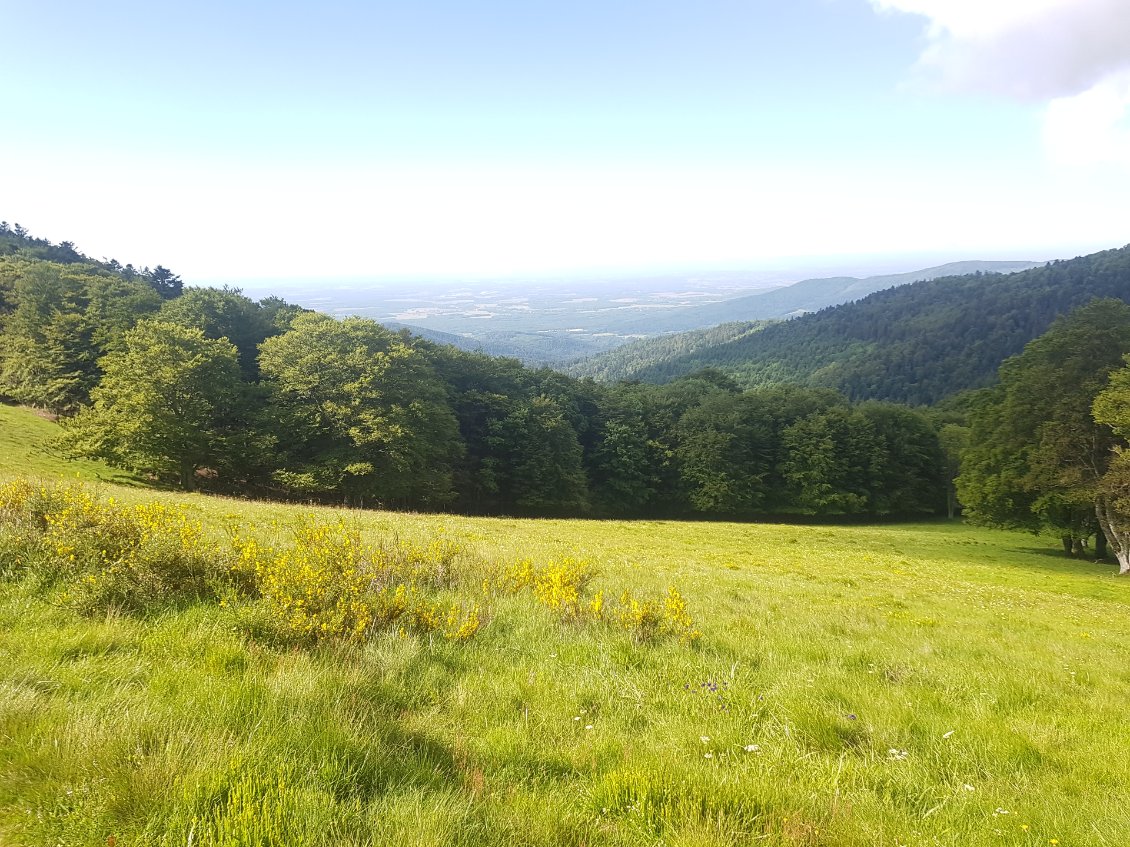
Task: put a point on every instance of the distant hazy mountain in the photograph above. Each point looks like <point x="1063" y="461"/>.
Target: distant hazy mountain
<point x="812" y="295"/>
<point x="914" y="343"/>
<point x="551" y="322"/>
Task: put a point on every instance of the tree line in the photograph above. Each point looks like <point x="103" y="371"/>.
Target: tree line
<point x="206" y="388"/>
<point x="1048" y="443"/>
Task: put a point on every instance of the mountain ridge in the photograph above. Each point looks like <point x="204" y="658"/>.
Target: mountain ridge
<point x="812" y="295"/>
<point x="916" y="343"/>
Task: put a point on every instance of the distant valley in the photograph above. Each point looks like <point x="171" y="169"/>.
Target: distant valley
<point x="554" y="322"/>
<point x="546" y="321"/>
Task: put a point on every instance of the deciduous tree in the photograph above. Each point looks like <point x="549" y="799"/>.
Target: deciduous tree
<point x="1036" y="454"/>
<point x="169" y="404"/>
<point x="358" y="413"/>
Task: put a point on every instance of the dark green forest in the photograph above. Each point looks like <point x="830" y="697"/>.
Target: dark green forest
<point x="673" y="350"/>
<point x="915" y="344"/>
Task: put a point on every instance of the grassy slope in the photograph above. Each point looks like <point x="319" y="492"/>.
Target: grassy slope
<point x="996" y="671"/>
<point x="24" y="449"/>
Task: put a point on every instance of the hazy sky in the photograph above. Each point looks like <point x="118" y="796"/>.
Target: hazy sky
<point x="239" y="140"/>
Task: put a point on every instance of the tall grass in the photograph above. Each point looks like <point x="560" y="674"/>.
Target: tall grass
<point x="26" y="448"/>
<point x="914" y="685"/>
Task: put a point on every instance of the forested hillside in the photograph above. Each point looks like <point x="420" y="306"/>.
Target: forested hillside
<point x="915" y="344"/>
<point x="206" y="388"/>
<point x="625" y="362"/>
<point x="16" y="241"/>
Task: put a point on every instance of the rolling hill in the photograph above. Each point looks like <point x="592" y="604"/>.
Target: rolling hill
<point x="674" y="349"/>
<point x="812" y="295"/>
<point x="916" y="343"/>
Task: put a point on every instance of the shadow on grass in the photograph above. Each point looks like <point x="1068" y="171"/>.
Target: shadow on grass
<point x="1048" y="558"/>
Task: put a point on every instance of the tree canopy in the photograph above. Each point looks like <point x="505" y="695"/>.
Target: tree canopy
<point x="170" y="403"/>
<point x="1037" y="456"/>
<point x="360" y="411"/>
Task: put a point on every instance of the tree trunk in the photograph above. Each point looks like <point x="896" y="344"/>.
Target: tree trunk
<point x="1100" y="545"/>
<point x="1066" y="541"/>
<point x="187" y="476"/>
<point x="1117" y="532"/>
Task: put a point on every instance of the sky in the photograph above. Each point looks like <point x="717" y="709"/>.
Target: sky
<point x="238" y="141"/>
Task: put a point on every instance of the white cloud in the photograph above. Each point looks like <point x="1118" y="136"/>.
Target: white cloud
<point x="1032" y="49"/>
<point x="1073" y="55"/>
<point x="1092" y="128"/>
<point x="973" y="18"/>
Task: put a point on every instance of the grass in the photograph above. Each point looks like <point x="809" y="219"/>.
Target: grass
<point x="926" y="684"/>
<point x="25" y="448"/>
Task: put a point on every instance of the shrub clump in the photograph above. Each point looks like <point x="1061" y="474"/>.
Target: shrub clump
<point x="559" y="584"/>
<point x="328" y="584"/>
<point x="655" y="617"/>
<point x="98" y="554"/>
<point x="563" y="586"/>
<point x="104" y="554"/>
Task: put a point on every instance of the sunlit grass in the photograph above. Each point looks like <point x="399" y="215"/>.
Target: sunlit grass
<point x="25" y="448"/>
<point x="918" y="685"/>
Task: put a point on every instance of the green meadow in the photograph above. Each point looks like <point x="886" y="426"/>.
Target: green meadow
<point x="25" y="448"/>
<point x="904" y="684"/>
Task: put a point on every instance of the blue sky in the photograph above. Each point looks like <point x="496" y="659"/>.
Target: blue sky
<point x="239" y="141"/>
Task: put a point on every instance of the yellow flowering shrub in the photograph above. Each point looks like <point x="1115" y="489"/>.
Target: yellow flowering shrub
<point x="651" y="619"/>
<point x="562" y="585"/>
<point x="559" y="584"/>
<point x="112" y="555"/>
<point x="99" y="553"/>
<point x="14" y="496"/>
<point x="329" y="584"/>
